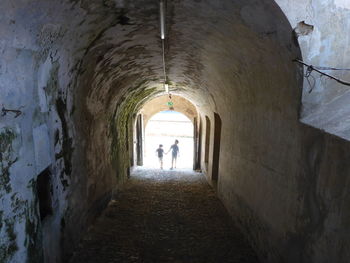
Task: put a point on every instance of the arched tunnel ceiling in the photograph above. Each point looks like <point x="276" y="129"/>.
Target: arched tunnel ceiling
<point x="111" y="47"/>
<point x="200" y="34"/>
<point x="218" y="55"/>
<point x="160" y="103"/>
<point x="119" y="41"/>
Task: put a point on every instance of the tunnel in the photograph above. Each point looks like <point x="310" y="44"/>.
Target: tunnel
<point x="163" y="120"/>
<point x="271" y="130"/>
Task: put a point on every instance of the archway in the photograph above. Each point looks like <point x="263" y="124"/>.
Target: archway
<point x="166" y="118"/>
<point x="164" y="128"/>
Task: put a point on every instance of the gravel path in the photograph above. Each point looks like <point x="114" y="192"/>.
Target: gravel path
<point x="164" y="216"/>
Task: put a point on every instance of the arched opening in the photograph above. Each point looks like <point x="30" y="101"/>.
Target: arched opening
<point x="164" y="128"/>
<point x="44" y="195"/>
<point x="161" y="120"/>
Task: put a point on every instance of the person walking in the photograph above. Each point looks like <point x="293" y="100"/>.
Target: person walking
<point x="174" y="154"/>
<point x="160" y="152"/>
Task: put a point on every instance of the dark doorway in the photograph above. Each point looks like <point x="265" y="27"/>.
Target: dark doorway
<point x="207" y="141"/>
<point x="44" y="193"/>
<point x="139" y="140"/>
<point x="216" y="150"/>
<point x="197" y="136"/>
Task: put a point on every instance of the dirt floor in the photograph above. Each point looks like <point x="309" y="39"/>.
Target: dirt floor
<point x="165" y="216"/>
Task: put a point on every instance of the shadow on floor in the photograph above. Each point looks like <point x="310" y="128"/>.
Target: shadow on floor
<point x="165" y="216"/>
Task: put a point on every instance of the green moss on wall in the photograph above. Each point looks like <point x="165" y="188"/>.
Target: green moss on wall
<point x="1" y="219"/>
<point x="8" y="245"/>
<point x="6" y="160"/>
<point x="119" y="129"/>
<point x="6" y="138"/>
<point x="22" y="211"/>
<point x="33" y="240"/>
<point x="17" y="204"/>
<point x="52" y="83"/>
<point x="52" y="89"/>
<point x="67" y="143"/>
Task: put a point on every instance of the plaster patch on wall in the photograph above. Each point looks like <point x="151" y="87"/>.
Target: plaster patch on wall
<point x="342" y="3"/>
<point x="43" y="78"/>
<point x="312" y="46"/>
<point x="49" y="35"/>
<point x="42" y="147"/>
<point x="327" y="50"/>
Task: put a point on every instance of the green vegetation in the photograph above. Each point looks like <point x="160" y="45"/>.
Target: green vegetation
<point x="6" y="161"/>
<point x="33" y="242"/>
<point x="67" y="143"/>
<point x="120" y="128"/>
<point x="6" y="138"/>
<point x="8" y="245"/>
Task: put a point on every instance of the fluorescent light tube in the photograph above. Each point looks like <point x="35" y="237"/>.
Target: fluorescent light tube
<point x="162" y="19"/>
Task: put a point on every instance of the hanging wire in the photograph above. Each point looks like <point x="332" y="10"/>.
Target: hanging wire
<point x="330" y="68"/>
<point x="310" y="79"/>
<point x="311" y="68"/>
<point x="308" y="76"/>
<point x="323" y="80"/>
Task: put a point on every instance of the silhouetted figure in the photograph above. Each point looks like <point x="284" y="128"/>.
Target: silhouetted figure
<point x="160" y="152"/>
<point x="174" y="153"/>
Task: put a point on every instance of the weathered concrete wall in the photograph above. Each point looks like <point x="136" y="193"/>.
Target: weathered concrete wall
<point x="40" y="58"/>
<point x="272" y="169"/>
<point x="324" y="41"/>
<point x="79" y="70"/>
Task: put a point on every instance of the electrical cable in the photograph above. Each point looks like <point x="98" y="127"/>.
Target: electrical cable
<point x="330" y="68"/>
<point x="311" y="68"/>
